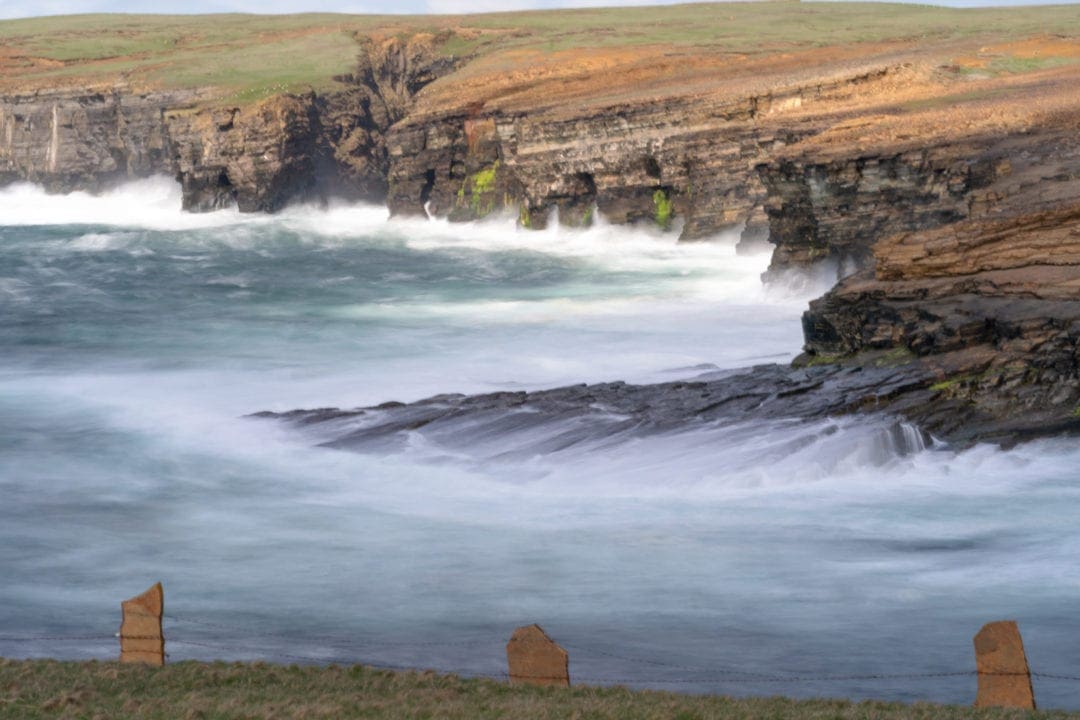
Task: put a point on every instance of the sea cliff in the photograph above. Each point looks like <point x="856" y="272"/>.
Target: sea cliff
<point x="935" y="175"/>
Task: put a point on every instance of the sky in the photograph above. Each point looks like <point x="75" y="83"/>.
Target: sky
<point x="31" y="8"/>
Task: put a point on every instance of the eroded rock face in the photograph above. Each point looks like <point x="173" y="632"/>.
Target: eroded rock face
<point x="84" y="139"/>
<point x="838" y="201"/>
<point x="255" y="156"/>
<point x="829" y="210"/>
<point x="637" y="163"/>
<point x="354" y="120"/>
<point x="677" y="158"/>
<point x="1004" y="676"/>
<point x="989" y="270"/>
<point x="296" y="147"/>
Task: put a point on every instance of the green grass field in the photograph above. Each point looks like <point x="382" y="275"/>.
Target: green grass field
<point x="192" y="690"/>
<point x="249" y="56"/>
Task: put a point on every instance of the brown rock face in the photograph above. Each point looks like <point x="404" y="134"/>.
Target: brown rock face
<point x="1004" y="677"/>
<point x="535" y="659"/>
<point x="255" y="156"/>
<point x="667" y="154"/>
<point x="84" y="138"/>
<point x="965" y="247"/>
<point x="141" y="637"/>
<point x="297" y="147"/>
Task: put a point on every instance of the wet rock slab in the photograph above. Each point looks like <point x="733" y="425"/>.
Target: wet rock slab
<point x="916" y="390"/>
<point x="547" y="421"/>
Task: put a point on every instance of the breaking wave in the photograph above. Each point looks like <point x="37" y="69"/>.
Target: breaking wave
<point x="136" y="337"/>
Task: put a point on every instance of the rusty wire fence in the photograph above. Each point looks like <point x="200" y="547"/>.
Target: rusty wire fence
<point x="188" y="638"/>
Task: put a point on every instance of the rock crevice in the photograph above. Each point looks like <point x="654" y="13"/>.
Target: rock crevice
<point x="966" y="249"/>
<point x="256" y="156"/>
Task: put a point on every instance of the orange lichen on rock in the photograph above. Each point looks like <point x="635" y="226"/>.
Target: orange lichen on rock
<point x="1004" y="677"/>
<point x="141" y="636"/>
<point x="535" y="659"/>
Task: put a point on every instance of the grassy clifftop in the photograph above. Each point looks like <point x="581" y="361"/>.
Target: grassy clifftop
<point x="247" y="56"/>
<point x="33" y="690"/>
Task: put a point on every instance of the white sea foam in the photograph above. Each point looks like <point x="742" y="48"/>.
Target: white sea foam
<point x="155" y="204"/>
<point x="848" y="460"/>
<point x="14" y="290"/>
<point x="126" y="456"/>
<point x="92" y="242"/>
<point x="152" y="203"/>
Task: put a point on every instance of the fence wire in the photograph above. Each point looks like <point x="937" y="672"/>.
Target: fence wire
<point x="702" y="675"/>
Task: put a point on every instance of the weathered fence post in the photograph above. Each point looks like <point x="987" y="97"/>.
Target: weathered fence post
<point x="141" y="637"/>
<point x="1004" y="676"/>
<point x="535" y="659"/>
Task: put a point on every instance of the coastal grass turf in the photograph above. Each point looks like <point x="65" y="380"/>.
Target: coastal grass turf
<point x="232" y="53"/>
<point x="245" y="57"/>
<point x="35" y="689"/>
<point x="764" y="27"/>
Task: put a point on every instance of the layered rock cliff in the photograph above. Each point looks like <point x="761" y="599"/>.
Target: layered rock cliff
<point x="946" y="201"/>
<point x="84" y="138"/>
<point x="649" y="136"/>
<point x="964" y="251"/>
<point x="256" y="156"/>
<point x="671" y="152"/>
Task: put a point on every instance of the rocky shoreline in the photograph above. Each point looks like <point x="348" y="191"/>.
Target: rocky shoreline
<point x="528" y="424"/>
<point x="885" y="384"/>
<point x="947" y="202"/>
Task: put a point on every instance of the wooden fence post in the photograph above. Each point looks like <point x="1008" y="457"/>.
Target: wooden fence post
<point x="535" y="659"/>
<point x="1004" y="676"/>
<point x="141" y="637"/>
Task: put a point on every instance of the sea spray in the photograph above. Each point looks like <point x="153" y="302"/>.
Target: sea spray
<point x="136" y="338"/>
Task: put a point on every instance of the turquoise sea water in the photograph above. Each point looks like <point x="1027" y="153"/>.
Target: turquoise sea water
<point x="134" y="339"/>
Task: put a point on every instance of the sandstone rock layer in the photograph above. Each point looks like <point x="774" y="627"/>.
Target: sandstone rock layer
<point x="1004" y="676"/>
<point x="141" y="636"/>
<point x="535" y="659"/>
<point x="966" y="247"/>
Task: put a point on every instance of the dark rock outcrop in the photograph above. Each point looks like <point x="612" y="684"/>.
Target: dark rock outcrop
<point x="256" y="157"/>
<point x="932" y="393"/>
<point x="971" y="252"/>
<point x="529" y="423"/>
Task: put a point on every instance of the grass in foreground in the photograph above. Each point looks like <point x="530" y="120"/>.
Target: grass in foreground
<point x="190" y="690"/>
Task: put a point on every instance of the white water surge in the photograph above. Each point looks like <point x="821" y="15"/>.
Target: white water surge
<point x="135" y="338"/>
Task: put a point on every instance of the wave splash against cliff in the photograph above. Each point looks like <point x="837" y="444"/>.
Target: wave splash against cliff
<point x="136" y="338"/>
<point x="154" y="204"/>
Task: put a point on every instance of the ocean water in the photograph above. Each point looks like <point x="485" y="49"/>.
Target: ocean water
<point x="771" y="558"/>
